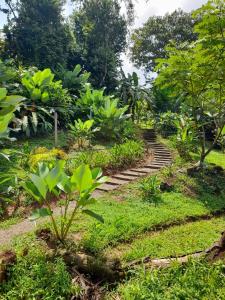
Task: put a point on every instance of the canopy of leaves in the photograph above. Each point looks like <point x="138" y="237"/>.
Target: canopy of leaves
<point x="149" y="41"/>
<point x="100" y="31"/>
<point x="197" y="71"/>
<point x="37" y="34"/>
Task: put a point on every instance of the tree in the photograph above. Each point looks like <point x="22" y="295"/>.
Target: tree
<point x="149" y="41"/>
<point x="197" y="73"/>
<point x="100" y="31"/>
<point x="36" y="33"/>
<point x="132" y="94"/>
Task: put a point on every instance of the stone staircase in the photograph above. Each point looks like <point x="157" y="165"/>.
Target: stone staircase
<point x="162" y="158"/>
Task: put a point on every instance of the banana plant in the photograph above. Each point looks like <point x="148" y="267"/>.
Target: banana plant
<point x="50" y="181"/>
<point x="82" y="131"/>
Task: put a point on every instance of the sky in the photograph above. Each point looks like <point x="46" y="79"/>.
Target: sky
<point x="143" y="10"/>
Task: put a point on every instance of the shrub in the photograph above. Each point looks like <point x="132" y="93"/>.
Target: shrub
<point x="94" y="159"/>
<point x="165" y="124"/>
<point x="119" y="156"/>
<point x="126" y="154"/>
<point x="42" y="154"/>
<point x="35" y="277"/>
<point x="51" y="182"/>
<point x="150" y="189"/>
<point x="82" y="132"/>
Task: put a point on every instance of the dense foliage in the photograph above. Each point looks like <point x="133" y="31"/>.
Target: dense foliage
<point x="188" y="71"/>
<point x="149" y="41"/>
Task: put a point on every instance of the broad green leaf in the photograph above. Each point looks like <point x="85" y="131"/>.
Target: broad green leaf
<point x="93" y="215"/>
<point x="40" y="213"/>
<point x="45" y="97"/>
<point x="39" y="184"/>
<point x="36" y="94"/>
<point x="32" y="190"/>
<point x="96" y="173"/>
<point x="82" y="177"/>
<point x="3" y="93"/>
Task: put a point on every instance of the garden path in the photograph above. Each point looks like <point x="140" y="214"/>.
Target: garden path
<point x="161" y="158"/>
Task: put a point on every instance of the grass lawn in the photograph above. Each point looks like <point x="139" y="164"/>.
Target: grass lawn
<point x="178" y="240"/>
<point x="196" y="280"/>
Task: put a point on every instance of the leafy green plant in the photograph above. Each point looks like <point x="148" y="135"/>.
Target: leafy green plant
<point x="93" y="158"/>
<point x="51" y="181"/>
<point x="37" y="85"/>
<point x="39" y="277"/>
<point x="82" y="131"/>
<point x="110" y="118"/>
<point x="185" y="140"/>
<point x="8" y="105"/>
<point x="75" y="80"/>
<point x="124" y="155"/>
<point x="89" y="100"/>
<point x="164" y="123"/>
<point x="150" y="189"/>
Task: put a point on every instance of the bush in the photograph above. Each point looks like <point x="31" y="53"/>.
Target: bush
<point x="42" y="154"/>
<point x="150" y="189"/>
<point x="34" y="277"/>
<point x="95" y="159"/>
<point x="126" y="154"/>
<point x="119" y="156"/>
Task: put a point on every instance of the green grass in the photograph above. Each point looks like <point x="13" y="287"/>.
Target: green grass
<point x="126" y="219"/>
<point x="175" y="241"/>
<point x="216" y="157"/>
<point x="196" y="280"/>
<point x="7" y="223"/>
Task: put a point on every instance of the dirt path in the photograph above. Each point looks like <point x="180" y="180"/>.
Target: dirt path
<point x="162" y="157"/>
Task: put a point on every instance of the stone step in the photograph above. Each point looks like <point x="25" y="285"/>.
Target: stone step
<point x="131" y="173"/>
<point x="107" y="187"/>
<point x="115" y="181"/>
<point x="161" y="150"/>
<point x="123" y="177"/>
<point x="154" y="166"/>
<point x="141" y="170"/>
<point x="162" y="157"/>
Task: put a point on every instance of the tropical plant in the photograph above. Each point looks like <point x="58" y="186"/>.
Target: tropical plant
<point x="150" y="189"/>
<point x="8" y="105"/>
<point x="75" y="80"/>
<point x="50" y="181"/>
<point x="110" y="118"/>
<point x="185" y="140"/>
<point x="42" y="154"/>
<point x="89" y="100"/>
<point x="133" y="95"/>
<point x="82" y="132"/>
